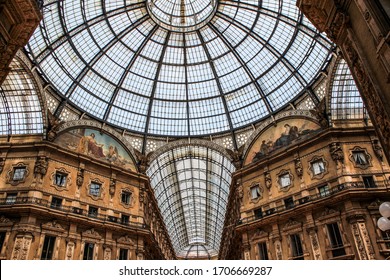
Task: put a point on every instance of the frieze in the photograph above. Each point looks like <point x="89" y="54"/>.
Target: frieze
<point x="271" y="121"/>
<point x="98" y="126"/>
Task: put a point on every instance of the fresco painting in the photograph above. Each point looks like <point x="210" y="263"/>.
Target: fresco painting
<point x="282" y="135"/>
<point x="97" y="145"/>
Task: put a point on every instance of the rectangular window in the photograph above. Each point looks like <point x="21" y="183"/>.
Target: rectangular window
<point x="94" y="189"/>
<point x="123" y="254"/>
<point x="60" y="179"/>
<point x="125" y="197"/>
<point x="88" y="251"/>
<point x="255" y="192"/>
<point x="324" y="191"/>
<point x="296" y="247"/>
<point x="19" y="173"/>
<point x="289" y="203"/>
<point x="48" y="246"/>
<point x="318" y="167"/>
<point x="360" y="158"/>
<point x="125" y="219"/>
<point x="92" y="211"/>
<point x="11" y="198"/>
<point x="335" y="239"/>
<point x="56" y="202"/>
<point x="258" y="213"/>
<point x="385" y="236"/>
<point x="2" y="239"/>
<point x="263" y="254"/>
<point x="369" y="182"/>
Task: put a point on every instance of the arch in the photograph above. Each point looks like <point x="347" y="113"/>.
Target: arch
<point x="22" y="102"/>
<point x="102" y="129"/>
<point x="191" y="183"/>
<point x="287" y="115"/>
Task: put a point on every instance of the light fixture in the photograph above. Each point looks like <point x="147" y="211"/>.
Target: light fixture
<point x="384" y="222"/>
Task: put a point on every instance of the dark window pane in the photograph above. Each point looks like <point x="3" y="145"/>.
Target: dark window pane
<point x="88" y="251"/>
<point x="123" y="254"/>
<point x="48" y="246"/>
<point x="263" y="254"/>
<point x="296" y="247"/>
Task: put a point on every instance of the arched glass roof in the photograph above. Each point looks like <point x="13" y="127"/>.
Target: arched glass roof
<point x="191" y="184"/>
<point x="178" y="67"/>
<point x="20" y="108"/>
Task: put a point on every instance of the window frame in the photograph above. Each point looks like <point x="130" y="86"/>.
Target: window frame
<point x="323" y="170"/>
<point x="48" y="247"/>
<point x="367" y="157"/>
<point x="92" y="192"/>
<point x="255" y="188"/>
<point x="56" y="202"/>
<point x="324" y="193"/>
<point x="296" y="246"/>
<point x="11" y="198"/>
<point x="89" y="249"/>
<point x="336" y="241"/>
<point x="93" y="211"/>
<point x="263" y="250"/>
<point x="121" y="253"/>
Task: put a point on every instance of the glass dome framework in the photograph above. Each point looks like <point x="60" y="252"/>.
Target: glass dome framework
<point x="235" y="65"/>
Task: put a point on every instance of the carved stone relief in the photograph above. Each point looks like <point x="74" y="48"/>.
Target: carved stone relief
<point x="315" y="245"/>
<point x="22" y="247"/>
<point x="69" y="250"/>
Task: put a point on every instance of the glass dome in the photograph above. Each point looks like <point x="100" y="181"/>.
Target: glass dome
<point x="178" y="67"/>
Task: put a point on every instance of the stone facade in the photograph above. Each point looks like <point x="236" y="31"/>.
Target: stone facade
<point x="328" y="212"/>
<point x="44" y="194"/>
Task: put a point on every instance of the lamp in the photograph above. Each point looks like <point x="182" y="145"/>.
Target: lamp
<point x="384" y="222"/>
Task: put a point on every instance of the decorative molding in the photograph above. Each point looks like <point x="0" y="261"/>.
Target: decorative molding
<point x="91" y="233"/>
<point x="132" y="197"/>
<point x="315" y="245"/>
<point x="292" y="226"/>
<point x="53" y="225"/>
<point x="68" y="180"/>
<point x="126" y="240"/>
<point x="10" y="174"/>
<point x="260" y="192"/>
<point x="101" y="191"/>
<point x="367" y="158"/>
<point x="318" y="159"/>
<point x="185" y="142"/>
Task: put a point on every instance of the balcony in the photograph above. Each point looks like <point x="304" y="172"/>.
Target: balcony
<point x="67" y="210"/>
<point x="269" y="211"/>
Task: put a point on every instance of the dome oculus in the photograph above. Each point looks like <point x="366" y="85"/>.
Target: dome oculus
<point x="181" y="15"/>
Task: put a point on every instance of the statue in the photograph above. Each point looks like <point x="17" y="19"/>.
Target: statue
<point x="54" y="124"/>
<point x="268" y="180"/>
<point x="112" y="186"/>
<point x="80" y="177"/>
<point x="40" y="167"/>
<point x="336" y="152"/>
<point x="298" y="167"/>
<point x="236" y="156"/>
<point x="377" y="149"/>
<point x="143" y="160"/>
